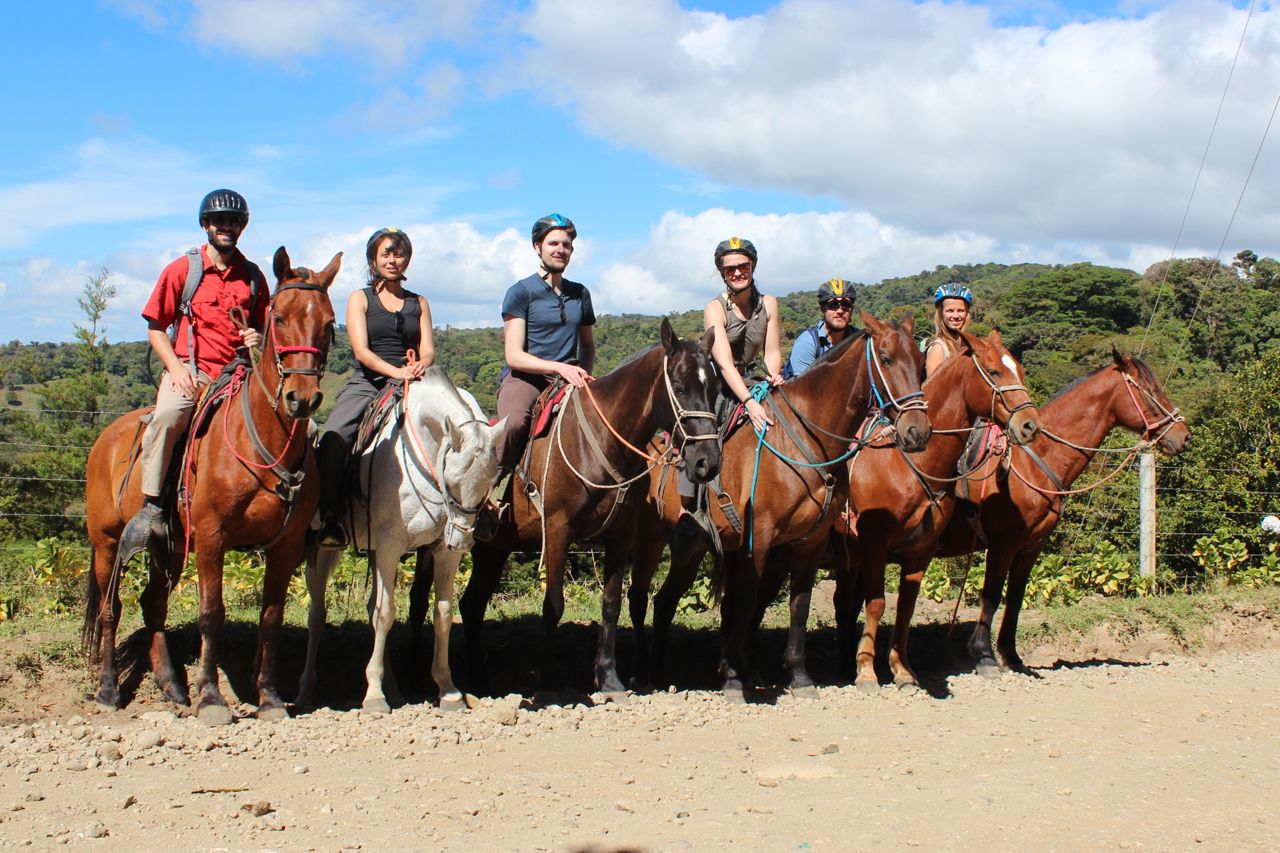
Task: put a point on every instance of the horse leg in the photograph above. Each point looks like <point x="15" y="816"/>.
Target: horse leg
<point x="679" y="579"/>
<point x="908" y="593"/>
<point x="419" y="599"/>
<point x="556" y="549"/>
<point x="210" y="706"/>
<point x="804" y="570"/>
<point x="320" y="565"/>
<point x="616" y="554"/>
<point x="998" y="559"/>
<point x="166" y="571"/>
<point x="1007" y="640"/>
<point x="445" y="570"/>
<point x="382" y="615"/>
<point x="647" y="554"/>
<point x="847" y="600"/>
<point x="486" y="570"/>
<point x="872" y="574"/>
<point x="102" y="619"/>
<point x="741" y="582"/>
<point x="281" y="562"/>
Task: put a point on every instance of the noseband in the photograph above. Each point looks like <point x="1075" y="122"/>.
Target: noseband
<point x="681" y="413"/>
<point x="905" y="403"/>
<point x="278" y="352"/>
<point x="998" y="391"/>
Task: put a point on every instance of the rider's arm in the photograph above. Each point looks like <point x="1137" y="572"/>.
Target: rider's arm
<point x="772" y="340"/>
<point x="934" y="354"/>
<point x="803" y="353"/>
<point x="180" y="377"/>
<point x="513" y="338"/>
<point x="713" y="319"/>
<point x="358" y="332"/>
<point x="586" y="348"/>
<point x="426" y="340"/>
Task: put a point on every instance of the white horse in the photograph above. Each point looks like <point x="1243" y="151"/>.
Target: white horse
<point x="427" y="475"/>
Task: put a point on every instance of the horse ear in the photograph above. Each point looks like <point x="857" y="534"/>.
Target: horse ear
<point x="281" y="265"/>
<point x="669" y="340"/>
<point x="326" y="276"/>
<point x="909" y="324"/>
<point x="455" y="434"/>
<point x="869" y="321"/>
<point x="1122" y="361"/>
<point x="970" y="342"/>
<point x="995" y="338"/>
<point x="498" y="429"/>
<point x="707" y="341"/>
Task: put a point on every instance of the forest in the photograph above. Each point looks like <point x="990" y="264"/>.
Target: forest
<point x="1210" y="330"/>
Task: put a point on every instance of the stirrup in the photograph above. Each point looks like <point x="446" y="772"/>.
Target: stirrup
<point x="488" y="520"/>
<point x="332" y="535"/>
<point x="147" y="527"/>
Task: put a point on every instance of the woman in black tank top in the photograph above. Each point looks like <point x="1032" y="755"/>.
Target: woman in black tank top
<point x="384" y="322"/>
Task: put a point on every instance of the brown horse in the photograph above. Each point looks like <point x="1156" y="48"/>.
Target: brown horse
<point x="251" y="482"/>
<point x="579" y="469"/>
<point x="899" y="505"/>
<point x="1019" y="511"/>
<point x="787" y="494"/>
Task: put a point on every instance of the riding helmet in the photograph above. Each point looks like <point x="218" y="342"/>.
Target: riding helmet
<point x="738" y="245"/>
<point x="223" y="201"/>
<point x="953" y="290"/>
<point x="553" y="222"/>
<point x="834" y="288"/>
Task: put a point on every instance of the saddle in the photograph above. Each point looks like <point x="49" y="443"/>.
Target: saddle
<point x="385" y="407"/>
<point x="545" y="408"/>
<point x="986" y="447"/>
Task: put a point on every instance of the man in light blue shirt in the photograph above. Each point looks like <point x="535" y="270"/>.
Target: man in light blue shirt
<point x="835" y="298"/>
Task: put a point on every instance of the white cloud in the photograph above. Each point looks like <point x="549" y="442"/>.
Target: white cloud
<point x="928" y="115"/>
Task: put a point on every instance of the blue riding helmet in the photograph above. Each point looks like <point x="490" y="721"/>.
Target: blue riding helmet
<point x="953" y="290"/>
<point x="553" y="222"/>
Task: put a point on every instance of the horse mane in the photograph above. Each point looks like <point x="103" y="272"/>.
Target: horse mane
<point x="438" y="378"/>
<point x="1145" y="373"/>
<point x="831" y="354"/>
<point x="635" y="356"/>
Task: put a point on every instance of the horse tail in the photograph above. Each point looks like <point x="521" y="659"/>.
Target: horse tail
<point x="91" y="631"/>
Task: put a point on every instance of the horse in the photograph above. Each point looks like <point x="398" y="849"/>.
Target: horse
<point x="580" y="486"/>
<point x="250" y="481"/>
<point x="1016" y="514"/>
<point x="899" y="505"/>
<point x="787" y="501"/>
<point x="427" y="473"/>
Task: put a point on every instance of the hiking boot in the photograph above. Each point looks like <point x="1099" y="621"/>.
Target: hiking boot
<point x="486" y="522"/>
<point x="691" y="535"/>
<point x="146" y="527"/>
<point x="332" y="534"/>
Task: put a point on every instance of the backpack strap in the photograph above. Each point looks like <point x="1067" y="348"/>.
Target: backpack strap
<point x="195" y="274"/>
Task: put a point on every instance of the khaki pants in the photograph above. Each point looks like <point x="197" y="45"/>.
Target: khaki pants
<point x="168" y="423"/>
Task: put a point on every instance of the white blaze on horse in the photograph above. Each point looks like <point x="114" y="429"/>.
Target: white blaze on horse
<point x="427" y="473"/>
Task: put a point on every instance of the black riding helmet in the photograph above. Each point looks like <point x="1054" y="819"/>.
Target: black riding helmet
<point x="834" y="288"/>
<point x="553" y="222"/>
<point x="736" y="245"/>
<point x="223" y="201"/>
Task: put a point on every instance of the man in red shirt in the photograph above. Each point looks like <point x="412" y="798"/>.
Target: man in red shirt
<point x="205" y="341"/>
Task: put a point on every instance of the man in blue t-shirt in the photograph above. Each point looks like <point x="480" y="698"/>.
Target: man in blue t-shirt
<point x="546" y="332"/>
<point x="835" y="298"/>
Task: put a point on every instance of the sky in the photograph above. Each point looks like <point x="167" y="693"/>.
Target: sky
<point x="864" y="139"/>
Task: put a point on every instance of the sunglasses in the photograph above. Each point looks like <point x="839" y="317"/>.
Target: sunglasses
<point x="838" y="305"/>
<point x="560" y="305"/>
<point x="225" y="219"/>
<point x="736" y="269"/>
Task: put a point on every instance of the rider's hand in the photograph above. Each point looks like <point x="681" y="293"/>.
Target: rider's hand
<point x="775" y="380"/>
<point x="182" y="382"/>
<point x="574" y="375"/>
<point x="407" y="372"/>
<point x="251" y="338"/>
<point x="759" y="419"/>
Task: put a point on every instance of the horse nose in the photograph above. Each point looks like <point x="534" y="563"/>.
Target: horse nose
<point x="1028" y="430"/>
<point x="316" y="399"/>
<point x="702" y="468"/>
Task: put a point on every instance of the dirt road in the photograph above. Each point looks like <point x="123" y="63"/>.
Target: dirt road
<point x="1165" y="754"/>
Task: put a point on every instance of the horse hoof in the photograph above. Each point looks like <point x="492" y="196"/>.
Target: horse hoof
<point x="909" y="687"/>
<point x="107" y="700"/>
<point x="452" y="704"/>
<point x="376" y="706"/>
<point x="272" y="713"/>
<point x="988" y="668"/>
<point x="617" y="697"/>
<point x="868" y="685"/>
<point x="804" y="691"/>
<point x="177" y="697"/>
<point x="214" y="715"/>
<point x="735" y="695"/>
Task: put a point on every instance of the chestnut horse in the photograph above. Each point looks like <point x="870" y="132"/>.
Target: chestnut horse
<point x="250" y="482"/>
<point x="899" y="505"/>
<point x="1018" y="512"/>
<point x="787" y="496"/>
<point x="585" y="470"/>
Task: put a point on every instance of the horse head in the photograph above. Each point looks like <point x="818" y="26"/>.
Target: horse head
<point x="691" y="385"/>
<point x="300" y="324"/>
<point x="468" y="466"/>
<point x="997" y="386"/>
<point x="1144" y="408"/>
<point x="894" y="369"/>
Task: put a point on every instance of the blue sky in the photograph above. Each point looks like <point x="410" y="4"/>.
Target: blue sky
<point x="866" y="139"/>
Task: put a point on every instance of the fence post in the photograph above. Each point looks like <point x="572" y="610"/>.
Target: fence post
<point x="1147" y="513"/>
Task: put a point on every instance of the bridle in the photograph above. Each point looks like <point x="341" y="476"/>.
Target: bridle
<point x="458" y="515"/>
<point x="904" y="403"/>
<point x="681" y="413"/>
<point x="1168" y="419"/>
<point x="278" y="352"/>
<point x="998" y="391"/>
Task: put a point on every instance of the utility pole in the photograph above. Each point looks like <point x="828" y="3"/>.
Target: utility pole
<point x="1147" y="513"/>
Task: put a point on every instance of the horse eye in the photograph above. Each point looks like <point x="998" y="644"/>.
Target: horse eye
<point x="885" y="360"/>
<point x="279" y="321"/>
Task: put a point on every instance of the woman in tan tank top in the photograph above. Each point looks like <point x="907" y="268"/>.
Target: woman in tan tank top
<point x="746" y="324"/>
<point x="952" y="311"/>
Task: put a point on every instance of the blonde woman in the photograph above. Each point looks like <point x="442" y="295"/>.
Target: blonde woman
<point x="952" y="313"/>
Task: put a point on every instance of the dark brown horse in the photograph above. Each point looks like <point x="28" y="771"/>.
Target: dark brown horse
<point x="899" y="505"/>
<point x="578" y="469"/>
<point x="251" y="482"/>
<point x="787" y="494"/>
<point x="1018" y="512"/>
